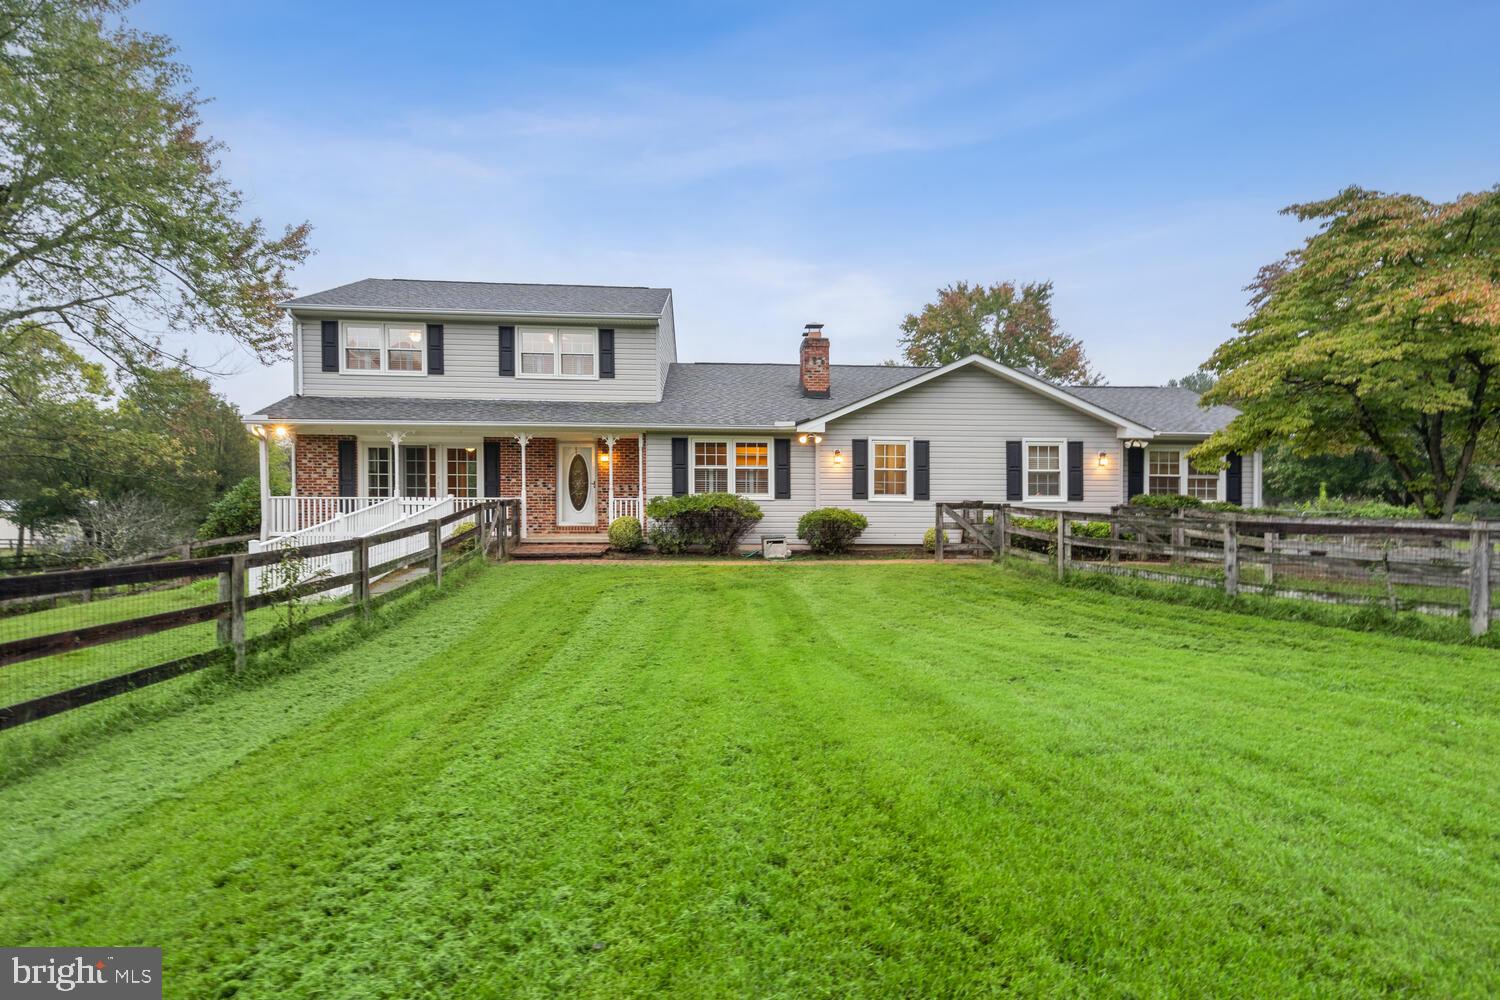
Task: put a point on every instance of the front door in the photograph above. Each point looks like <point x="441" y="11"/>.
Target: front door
<point x="575" y="483"/>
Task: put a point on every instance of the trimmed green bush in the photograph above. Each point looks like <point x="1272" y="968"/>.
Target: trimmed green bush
<point x="716" y="521"/>
<point x="1165" y="501"/>
<point x="625" y="534"/>
<point x="830" y="530"/>
<point x="929" y="540"/>
<point x="665" y="539"/>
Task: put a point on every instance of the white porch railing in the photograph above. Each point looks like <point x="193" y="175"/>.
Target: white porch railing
<point x="625" y="507"/>
<point x="386" y="551"/>
<point x="284" y="515"/>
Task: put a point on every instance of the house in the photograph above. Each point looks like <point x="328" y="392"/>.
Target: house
<point x="572" y="399"/>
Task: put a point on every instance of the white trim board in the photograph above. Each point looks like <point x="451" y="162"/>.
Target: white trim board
<point x="1124" y="428"/>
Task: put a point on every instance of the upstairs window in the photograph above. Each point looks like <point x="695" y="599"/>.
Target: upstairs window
<point x="385" y="347"/>
<point x="551" y="352"/>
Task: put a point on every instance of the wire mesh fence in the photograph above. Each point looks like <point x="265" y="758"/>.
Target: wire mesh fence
<point x="74" y="638"/>
<point x="1439" y="568"/>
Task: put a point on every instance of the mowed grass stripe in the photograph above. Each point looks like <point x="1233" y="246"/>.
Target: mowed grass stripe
<point x="822" y="780"/>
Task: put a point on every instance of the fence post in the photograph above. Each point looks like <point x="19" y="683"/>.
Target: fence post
<point x="1062" y="543"/>
<point x="484" y="524"/>
<point x="1179" y="534"/>
<point x="226" y="596"/>
<point x="502" y="519"/>
<point x="1479" y="580"/>
<point x="1270" y="550"/>
<point x="361" y="557"/>
<point x="1231" y="560"/>
<point x="938" y="533"/>
<point x="435" y="539"/>
<point x="1114" y="538"/>
<point x="1002" y="531"/>
<point x="237" y="609"/>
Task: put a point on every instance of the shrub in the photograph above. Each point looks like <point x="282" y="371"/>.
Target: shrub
<point x="625" y="534"/>
<point x="716" y="521"/>
<point x="237" y="512"/>
<point x="830" y="530"/>
<point x="929" y="540"/>
<point x="1165" y="501"/>
<point x="665" y="539"/>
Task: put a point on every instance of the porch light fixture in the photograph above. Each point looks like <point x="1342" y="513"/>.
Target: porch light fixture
<point x="817" y="439"/>
<point x="838" y="457"/>
<point x="280" y="431"/>
<point x="1135" y="443"/>
<point x="1103" y="460"/>
<point x="802" y="439"/>
<point x="604" y="458"/>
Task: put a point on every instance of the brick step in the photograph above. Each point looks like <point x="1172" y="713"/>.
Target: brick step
<point x="559" y="550"/>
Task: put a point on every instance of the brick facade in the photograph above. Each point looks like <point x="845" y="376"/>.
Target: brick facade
<point x="317" y="464"/>
<point x="317" y="471"/>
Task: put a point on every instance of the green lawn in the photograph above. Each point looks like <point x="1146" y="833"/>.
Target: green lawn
<point x="793" y="780"/>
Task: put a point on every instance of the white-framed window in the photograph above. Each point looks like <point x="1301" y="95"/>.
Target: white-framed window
<point x="752" y="468"/>
<point x="1163" y="470"/>
<point x="724" y="465"/>
<point x="1170" y="470"/>
<point x="1202" y="483"/>
<point x="418" y="470"/>
<point x="890" y="469"/>
<point x="378" y="471"/>
<point x="710" y="466"/>
<point x="1045" y="476"/>
<point x="388" y="348"/>
<point x="462" y="468"/>
<point x="556" y="352"/>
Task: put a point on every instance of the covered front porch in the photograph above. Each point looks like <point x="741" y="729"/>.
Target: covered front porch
<point x="571" y="482"/>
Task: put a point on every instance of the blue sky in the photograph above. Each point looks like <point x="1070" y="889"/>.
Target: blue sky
<point x="776" y="166"/>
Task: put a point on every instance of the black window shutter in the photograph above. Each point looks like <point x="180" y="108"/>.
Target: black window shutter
<point x="1135" y="472"/>
<point x="861" y="449"/>
<point x="1234" y="479"/>
<point x="921" y="471"/>
<point x="679" y="467"/>
<point x="435" y="348"/>
<point x="492" y="468"/>
<point x="783" y="447"/>
<point x="348" y="469"/>
<point x="606" y="354"/>
<point x="1013" y="473"/>
<point x="508" y="351"/>
<point x="1075" y="470"/>
<point x="330" y="345"/>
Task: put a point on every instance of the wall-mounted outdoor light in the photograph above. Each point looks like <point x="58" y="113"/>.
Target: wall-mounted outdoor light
<point x="838" y="457"/>
<point x="1103" y="460"/>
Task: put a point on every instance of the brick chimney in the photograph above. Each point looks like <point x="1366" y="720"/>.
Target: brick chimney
<point x="814" y="358"/>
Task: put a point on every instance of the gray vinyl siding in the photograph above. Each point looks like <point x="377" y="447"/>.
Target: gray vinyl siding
<point x="471" y="365"/>
<point x="967" y="417"/>
<point x="780" y="515"/>
<point x="666" y="351"/>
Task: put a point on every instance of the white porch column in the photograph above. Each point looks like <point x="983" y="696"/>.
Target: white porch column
<point x="265" y="483"/>
<point x="610" y="510"/>
<point x="398" y="488"/>
<point x="521" y="439"/>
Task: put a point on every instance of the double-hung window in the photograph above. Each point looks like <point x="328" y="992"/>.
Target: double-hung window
<point x="1044" y="470"/>
<point x="378" y="471"/>
<point x="1202" y="483"/>
<point x="890" y="470"/>
<point x="1163" y="470"/>
<point x="551" y="352"/>
<point x="721" y="466"/>
<point x="418" y="471"/>
<point x="398" y="348"/>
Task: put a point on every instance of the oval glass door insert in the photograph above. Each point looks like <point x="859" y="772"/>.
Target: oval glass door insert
<point x="578" y="482"/>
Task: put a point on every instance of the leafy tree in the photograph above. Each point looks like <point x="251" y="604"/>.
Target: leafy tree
<point x="1009" y="324"/>
<point x="112" y="206"/>
<point x="1199" y="382"/>
<point x="1382" y="331"/>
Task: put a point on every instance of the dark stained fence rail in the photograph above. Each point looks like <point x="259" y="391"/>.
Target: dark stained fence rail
<point x="496" y="530"/>
<point x="1440" y="568"/>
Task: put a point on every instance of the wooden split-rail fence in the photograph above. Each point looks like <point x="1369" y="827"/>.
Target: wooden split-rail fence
<point x="494" y="530"/>
<point x="1435" y="567"/>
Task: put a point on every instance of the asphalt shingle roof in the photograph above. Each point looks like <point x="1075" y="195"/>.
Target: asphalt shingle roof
<point x="708" y="395"/>
<point x="1163" y="409"/>
<point x="491" y="297"/>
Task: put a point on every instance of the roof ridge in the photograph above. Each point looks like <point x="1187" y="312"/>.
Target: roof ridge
<point x="514" y="284"/>
<point x="794" y="364"/>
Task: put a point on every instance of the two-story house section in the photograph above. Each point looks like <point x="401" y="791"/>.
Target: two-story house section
<point x="571" y="399"/>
